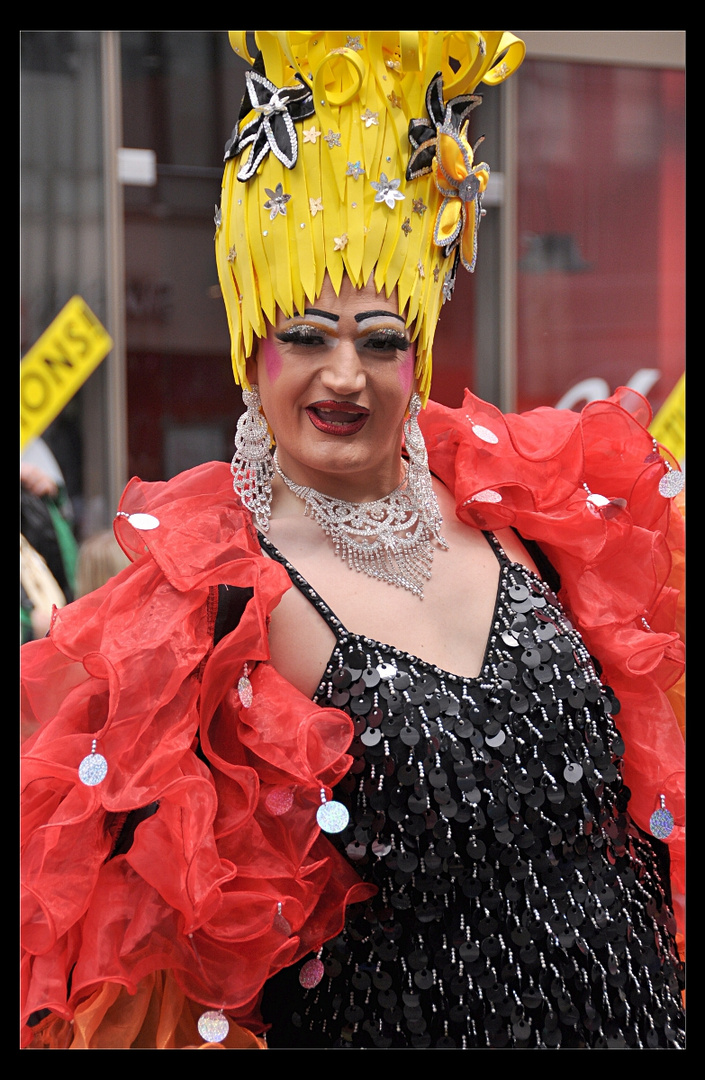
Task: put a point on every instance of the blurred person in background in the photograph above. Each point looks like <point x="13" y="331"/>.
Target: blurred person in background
<point x="46" y="529"/>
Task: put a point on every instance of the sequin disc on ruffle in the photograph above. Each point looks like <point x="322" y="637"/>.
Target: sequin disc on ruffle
<point x="332" y="817"/>
<point x="213" y="1026"/>
<point x="279" y="801"/>
<point x="311" y="974"/>
<point x="93" y="770"/>
<point x="671" y="484"/>
<point x="661" y="824"/>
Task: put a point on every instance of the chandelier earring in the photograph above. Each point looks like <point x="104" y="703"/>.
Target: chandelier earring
<point x="252" y="462"/>
<point x="419" y="476"/>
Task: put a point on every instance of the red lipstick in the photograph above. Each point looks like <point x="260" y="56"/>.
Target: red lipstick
<point x="337" y="417"/>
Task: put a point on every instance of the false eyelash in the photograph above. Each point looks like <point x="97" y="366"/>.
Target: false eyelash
<point x="301" y="334"/>
<point x="392" y="339"/>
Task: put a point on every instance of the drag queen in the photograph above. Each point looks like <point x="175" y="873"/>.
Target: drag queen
<point x="371" y="746"/>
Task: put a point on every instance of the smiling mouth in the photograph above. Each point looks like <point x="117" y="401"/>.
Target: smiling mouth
<point x="337" y="417"/>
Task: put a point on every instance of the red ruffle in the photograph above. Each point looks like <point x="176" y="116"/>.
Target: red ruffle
<point x="616" y="562"/>
<point x="133" y="666"/>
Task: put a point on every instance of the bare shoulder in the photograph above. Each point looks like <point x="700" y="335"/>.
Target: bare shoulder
<point x="468" y="537"/>
<point x="514" y="549"/>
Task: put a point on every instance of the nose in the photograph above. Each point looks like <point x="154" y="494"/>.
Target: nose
<point x="343" y="372"/>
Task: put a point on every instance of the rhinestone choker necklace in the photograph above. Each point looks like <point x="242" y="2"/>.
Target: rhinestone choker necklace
<point x="390" y="539"/>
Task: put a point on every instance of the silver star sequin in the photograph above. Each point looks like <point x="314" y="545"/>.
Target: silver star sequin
<point x="332" y="138"/>
<point x="276" y="203"/>
<point x="387" y="190"/>
<point x="354" y="169"/>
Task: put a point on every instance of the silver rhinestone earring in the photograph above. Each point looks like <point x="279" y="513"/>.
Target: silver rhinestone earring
<point x="420" y="484"/>
<point x="252" y="462"/>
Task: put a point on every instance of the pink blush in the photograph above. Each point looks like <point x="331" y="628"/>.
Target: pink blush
<point x="272" y="360"/>
<point x="406" y="369"/>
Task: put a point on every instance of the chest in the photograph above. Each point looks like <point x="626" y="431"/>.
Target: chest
<point x="449" y="627"/>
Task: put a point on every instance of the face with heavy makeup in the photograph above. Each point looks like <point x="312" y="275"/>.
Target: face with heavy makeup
<point x="335" y="383"/>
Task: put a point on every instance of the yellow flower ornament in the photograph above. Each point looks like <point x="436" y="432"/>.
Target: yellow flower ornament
<point x="462" y="186"/>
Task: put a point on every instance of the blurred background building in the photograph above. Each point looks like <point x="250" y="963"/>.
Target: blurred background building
<point x="580" y="283"/>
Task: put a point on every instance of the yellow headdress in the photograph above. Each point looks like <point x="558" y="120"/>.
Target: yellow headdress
<point x="351" y="157"/>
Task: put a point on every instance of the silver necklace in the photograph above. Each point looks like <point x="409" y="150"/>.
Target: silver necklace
<point x="390" y="539"/>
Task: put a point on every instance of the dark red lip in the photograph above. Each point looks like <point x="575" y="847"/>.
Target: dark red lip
<point x="337" y="417"/>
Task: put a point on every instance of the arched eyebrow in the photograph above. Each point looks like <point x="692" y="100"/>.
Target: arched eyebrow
<point x="322" y="314"/>
<point x="382" y="313"/>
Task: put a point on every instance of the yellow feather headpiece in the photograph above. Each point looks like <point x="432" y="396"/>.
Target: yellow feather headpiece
<point x="351" y="158"/>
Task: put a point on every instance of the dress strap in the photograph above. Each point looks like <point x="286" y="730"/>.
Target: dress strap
<point x="501" y="555"/>
<point x="305" y="589"/>
<point x="547" y="571"/>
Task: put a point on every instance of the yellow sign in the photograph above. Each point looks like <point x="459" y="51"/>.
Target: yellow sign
<point x="668" y="426"/>
<point x="60" y="362"/>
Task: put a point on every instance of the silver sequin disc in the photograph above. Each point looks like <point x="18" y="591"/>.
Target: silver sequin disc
<point x="312" y="972"/>
<point x="573" y="772"/>
<point x="598" y="500"/>
<point x="332" y="817"/>
<point x="244" y="691"/>
<point x="213" y="1026"/>
<point x="279" y="801"/>
<point x="661" y="823"/>
<point x="282" y="925"/>
<point x="145" y="522"/>
<point x="671" y="484"/>
<point x="484" y="433"/>
<point x="93" y="770"/>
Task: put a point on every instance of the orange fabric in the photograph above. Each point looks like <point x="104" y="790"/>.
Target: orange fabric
<point x="157" y="1016"/>
<point x="198" y="894"/>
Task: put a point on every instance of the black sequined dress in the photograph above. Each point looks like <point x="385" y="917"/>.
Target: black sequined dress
<point x="518" y="906"/>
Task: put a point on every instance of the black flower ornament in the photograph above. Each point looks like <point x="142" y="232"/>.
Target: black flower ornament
<point x="272" y="128"/>
<point x="423" y="132"/>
